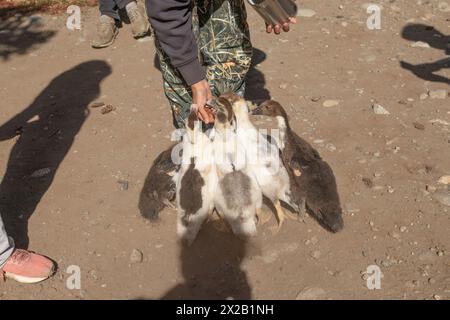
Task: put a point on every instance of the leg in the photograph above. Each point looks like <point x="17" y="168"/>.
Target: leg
<point x="121" y="4"/>
<point x="280" y="216"/>
<point x="138" y="16"/>
<point x="224" y="43"/>
<point x="6" y="244"/>
<point x="263" y="216"/>
<point x="106" y="26"/>
<point x="109" y="8"/>
<point x="176" y="90"/>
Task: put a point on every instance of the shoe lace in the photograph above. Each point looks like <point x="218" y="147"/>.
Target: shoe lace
<point x="20" y="257"/>
<point x="133" y="15"/>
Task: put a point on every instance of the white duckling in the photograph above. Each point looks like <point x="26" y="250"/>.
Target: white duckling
<point x="238" y="197"/>
<point x="196" y="181"/>
<point x="266" y="163"/>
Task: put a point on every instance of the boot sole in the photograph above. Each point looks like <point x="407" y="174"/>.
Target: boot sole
<point x="23" y="279"/>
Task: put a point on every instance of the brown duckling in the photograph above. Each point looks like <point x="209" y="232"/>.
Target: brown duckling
<point x="313" y="175"/>
<point x="159" y="191"/>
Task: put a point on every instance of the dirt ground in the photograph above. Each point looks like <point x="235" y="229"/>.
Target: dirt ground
<point x="71" y="180"/>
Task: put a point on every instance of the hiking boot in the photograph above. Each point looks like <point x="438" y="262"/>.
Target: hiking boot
<point x="27" y="267"/>
<point x="138" y="19"/>
<point x="106" y="32"/>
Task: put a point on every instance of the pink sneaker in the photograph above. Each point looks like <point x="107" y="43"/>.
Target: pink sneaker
<point x="27" y="267"/>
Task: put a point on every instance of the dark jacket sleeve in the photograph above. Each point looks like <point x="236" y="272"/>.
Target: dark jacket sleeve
<point x="172" y="23"/>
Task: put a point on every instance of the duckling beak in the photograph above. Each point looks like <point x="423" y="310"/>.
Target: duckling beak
<point x="258" y="111"/>
<point x="212" y="105"/>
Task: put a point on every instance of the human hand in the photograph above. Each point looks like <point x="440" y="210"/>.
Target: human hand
<point x="201" y="95"/>
<point x="277" y="28"/>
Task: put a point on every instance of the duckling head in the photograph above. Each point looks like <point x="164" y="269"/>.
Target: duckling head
<point x="225" y="117"/>
<point x="239" y="105"/>
<point x="270" y="108"/>
<point x="192" y="125"/>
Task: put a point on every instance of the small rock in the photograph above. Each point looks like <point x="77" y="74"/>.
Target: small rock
<point x="418" y="126"/>
<point x="315" y="254"/>
<point x="123" y="185"/>
<point x="312" y="293"/>
<point x="136" y="256"/>
<point x="444" y="6"/>
<point x="424" y="96"/>
<point x="306" y="13"/>
<point x="442" y="197"/>
<point x="368" y="182"/>
<point x="107" y="109"/>
<point x="315" y="99"/>
<point x="97" y="104"/>
<point x="438" y="94"/>
<point x="283" y="86"/>
<point x="395" y="235"/>
<point x="420" y="44"/>
<point x="330" y="147"/>
<point x="330" y="103"/>
<point x="378" y="109"/>
<point x="444" y="180"/>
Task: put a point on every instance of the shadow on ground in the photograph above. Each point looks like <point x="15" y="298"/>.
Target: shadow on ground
<point x="44" y="133"/>
<point x="211" y="268"/>
<point x="435" y="39"/>
<point x="21" y="34"/>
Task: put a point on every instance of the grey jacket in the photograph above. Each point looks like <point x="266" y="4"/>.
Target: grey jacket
<point x="172" y="24"/>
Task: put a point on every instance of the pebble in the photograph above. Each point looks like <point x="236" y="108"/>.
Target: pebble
<point x="418" y="126"/>
<point x="311" y="293"/>
<point x="368" y="182"/>
<point x="420" y="44"/>
<point x="283" y="86"/>
<point x="444" y="6"/>
<point x="97" y="104"/>
<point x="379" y="109"/>
<point x="330" y="103"/>
<point x="124" y="184"/>
<point x="442" y="197"/>
<point x="315" y="254"/>
<point x="306" y="13"/>
<point x="444" y="180"/>
<point x="330" y="147"/>
<point x="136" y="256"/>
<point x="424" y="96"/>
<point x="438" y="94"/>
<point x="107" y="109"/>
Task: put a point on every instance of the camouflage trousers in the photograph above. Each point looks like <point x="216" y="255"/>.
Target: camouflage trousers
<point x="225" y="50"/>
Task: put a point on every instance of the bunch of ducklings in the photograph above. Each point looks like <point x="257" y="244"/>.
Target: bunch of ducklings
<point x="230" y="168"/>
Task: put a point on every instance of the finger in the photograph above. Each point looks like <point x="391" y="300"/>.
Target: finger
<point x="277" y="29"/>
<point x="211" y="115"/>
<point x="286" y="27"/>
<point x="203" y="115"/>
<point x="268" y="28"/>
<point x="293" y="20"/>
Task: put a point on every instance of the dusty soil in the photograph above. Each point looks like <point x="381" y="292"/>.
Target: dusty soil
<point x="82" y="208"/>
